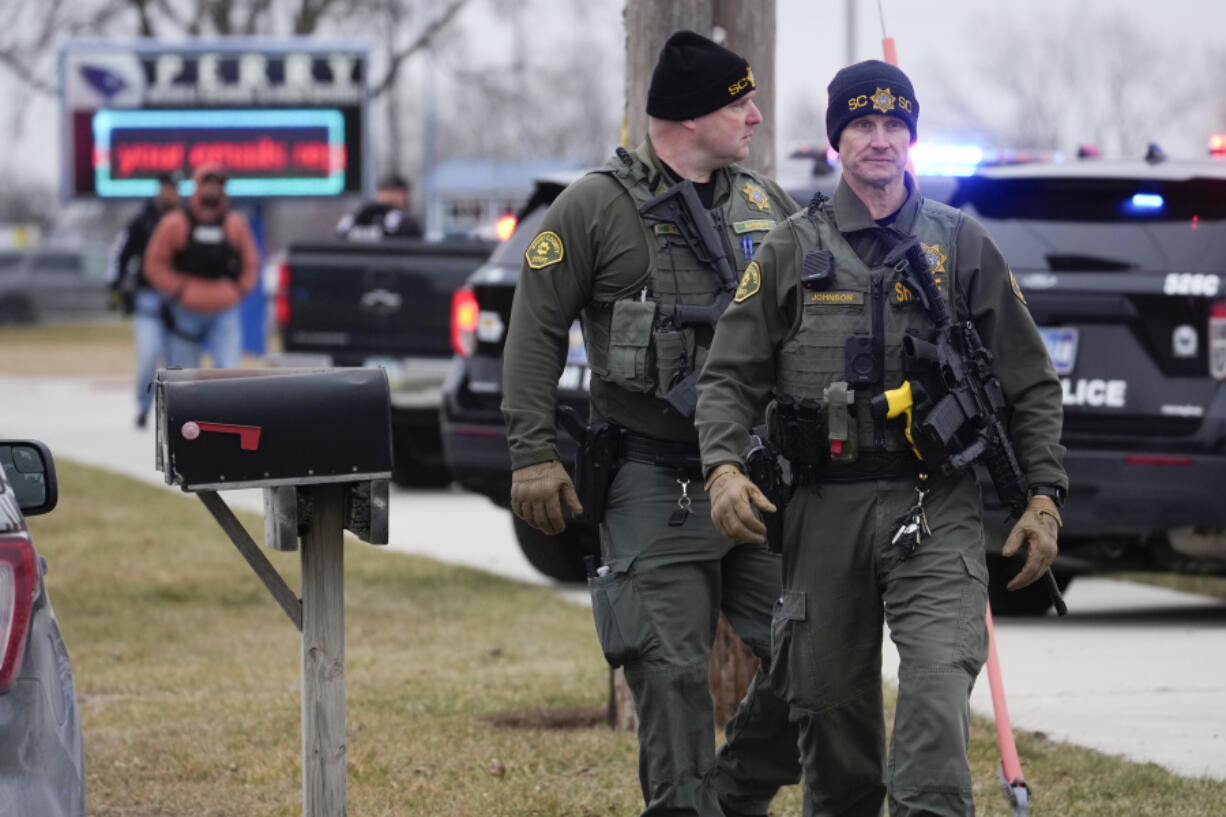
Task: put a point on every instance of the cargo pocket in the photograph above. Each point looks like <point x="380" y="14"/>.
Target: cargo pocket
<point x="973" y="640"/>
<point x="792" y="666"/>
<point x="621" y="622"/>
<point x="630" y="345"/>
<point x="672" y="356"/>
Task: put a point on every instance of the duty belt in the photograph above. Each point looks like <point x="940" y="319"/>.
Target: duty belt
<point x="662" y="453"/>
<point x="870" y="465"/>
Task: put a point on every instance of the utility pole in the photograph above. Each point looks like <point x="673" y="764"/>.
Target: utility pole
<point x="850" y="30"/>
<point x="746" y="28"/>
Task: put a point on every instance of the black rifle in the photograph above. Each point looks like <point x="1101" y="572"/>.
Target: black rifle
<point x="765" y="471"/>
<point x="963" y="425"/>
<point x="596" y="460"/>
<point x="679" y="205"/>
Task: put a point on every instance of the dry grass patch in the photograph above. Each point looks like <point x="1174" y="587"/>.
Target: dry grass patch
<point x="101" y="349"/>
<point x="80" y="350"/>
<point x="188" y="678"/>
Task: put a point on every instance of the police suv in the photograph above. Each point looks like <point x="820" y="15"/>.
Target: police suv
<point x="1122" y="265"/>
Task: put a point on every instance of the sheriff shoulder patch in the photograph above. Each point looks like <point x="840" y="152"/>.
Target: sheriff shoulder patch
<point x="751" y="282"/>
<point x="544" y="250"/>
<point x="1017" y="290"/>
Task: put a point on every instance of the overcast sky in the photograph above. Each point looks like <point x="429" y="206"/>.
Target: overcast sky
<point x="941" y="44"/>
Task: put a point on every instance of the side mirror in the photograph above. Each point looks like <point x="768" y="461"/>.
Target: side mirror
<point x="30" y="472"/>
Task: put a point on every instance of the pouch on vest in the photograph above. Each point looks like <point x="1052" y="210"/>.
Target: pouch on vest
<point x="840" y="425"/>
<point x="672" y="353"/>
<point x="630" y="366"/>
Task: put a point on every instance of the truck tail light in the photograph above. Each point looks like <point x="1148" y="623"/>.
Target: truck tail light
<point x="18" y="587"/>
<point x="282" y="301"/>
<point x="1217" y="340"/>
<point x="464" y="313"/>
<point x="505" y="226"/>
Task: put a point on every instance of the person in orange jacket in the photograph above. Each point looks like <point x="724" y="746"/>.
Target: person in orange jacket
<point x="203" y="258"/>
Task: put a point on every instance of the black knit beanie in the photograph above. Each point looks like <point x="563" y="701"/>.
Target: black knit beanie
<point x="868" y="87"/>
<point x="694" y="77"/>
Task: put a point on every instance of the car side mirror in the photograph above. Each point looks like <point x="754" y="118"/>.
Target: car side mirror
<point x="30" y="470"/>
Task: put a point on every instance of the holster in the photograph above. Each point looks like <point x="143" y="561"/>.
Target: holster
<point x="766" y="472"/>
<point x="596" y="461"/>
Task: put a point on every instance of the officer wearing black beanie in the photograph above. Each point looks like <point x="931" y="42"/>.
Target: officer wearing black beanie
<point x="695" y="76"/>
<point x="666" y="573"/>
<point x="868" y="87"/>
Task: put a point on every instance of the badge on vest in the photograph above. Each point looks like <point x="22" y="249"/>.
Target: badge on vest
<point x="935" y="256"/>
<point x="751" y="282"/>
<point x="756" y="197"/>
<point x="544" y="250"/>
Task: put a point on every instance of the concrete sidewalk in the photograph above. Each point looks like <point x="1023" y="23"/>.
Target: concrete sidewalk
<point x="1133" y="670"/>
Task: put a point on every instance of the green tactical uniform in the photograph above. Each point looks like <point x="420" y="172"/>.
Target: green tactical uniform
<point x="658" y="605"/>
<point x="842" y="574"/>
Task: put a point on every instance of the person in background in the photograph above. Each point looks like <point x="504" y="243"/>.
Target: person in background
<point x="136" y="296"/>
<point x="202" y="257"/>
<point x="385" y="217"/>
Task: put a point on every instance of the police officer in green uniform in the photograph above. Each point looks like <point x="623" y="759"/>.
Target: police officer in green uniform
<point x="667" y="573"/>
<point x="815" y="332"/>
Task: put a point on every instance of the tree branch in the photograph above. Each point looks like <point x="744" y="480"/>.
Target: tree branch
<point x="257" y="9"/>
<point x="308" y="16"/>
<point x="423" y="39"/>
<point x="23" y="72"/>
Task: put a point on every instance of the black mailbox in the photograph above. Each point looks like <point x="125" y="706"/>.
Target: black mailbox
<point x="220" y="429"/>
<point x="281" y="430"/>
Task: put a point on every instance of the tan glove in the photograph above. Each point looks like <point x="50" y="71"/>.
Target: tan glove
<point x="733" y="497"/>
<point x="1037" y="528"/>
<point x="534" y="496"/>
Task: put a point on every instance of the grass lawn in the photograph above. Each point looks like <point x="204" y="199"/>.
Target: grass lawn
<point x="187" y="673"/>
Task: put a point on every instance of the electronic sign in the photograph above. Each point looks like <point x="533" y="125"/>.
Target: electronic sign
<point x="285" y="118"/>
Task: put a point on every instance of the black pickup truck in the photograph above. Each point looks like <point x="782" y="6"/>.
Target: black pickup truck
<point x="381" y="303"/>
<point x="1123" y="265"/>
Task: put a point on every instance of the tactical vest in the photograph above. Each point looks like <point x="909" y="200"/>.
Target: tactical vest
<point x="631" y="342"/>
<point x="815" y="355"/>
<point x="207" y="254"/>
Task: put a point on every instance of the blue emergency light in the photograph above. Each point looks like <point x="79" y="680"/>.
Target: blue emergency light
<point x="1146" y="201"/>
<point x="946" y="160"/>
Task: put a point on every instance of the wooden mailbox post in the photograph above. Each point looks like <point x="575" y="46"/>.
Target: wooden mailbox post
<point x="319" y="443"/>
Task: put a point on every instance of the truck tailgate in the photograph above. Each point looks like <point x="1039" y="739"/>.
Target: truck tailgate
<point x="354" y="300"/>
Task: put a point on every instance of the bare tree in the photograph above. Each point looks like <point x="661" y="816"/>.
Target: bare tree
<point x="1079" y="76"/>
<point x="29" y="47"/>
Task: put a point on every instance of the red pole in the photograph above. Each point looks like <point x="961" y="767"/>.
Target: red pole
<point x="888" y="51"/>
<point x="1010" y="764"/>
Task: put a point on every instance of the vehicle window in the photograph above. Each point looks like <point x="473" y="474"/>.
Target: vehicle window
<point x="56" y="262"/>
<point x="1096" y="225"/>
<point x="9" y="259"/>
<point x="1129" y="201"/>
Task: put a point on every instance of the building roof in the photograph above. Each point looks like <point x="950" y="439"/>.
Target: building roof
<point x="495" y="176"/>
